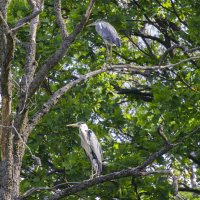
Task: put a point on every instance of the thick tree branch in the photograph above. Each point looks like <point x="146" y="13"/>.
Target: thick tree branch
<point x="59" y="93"/>
<point x="69" y="184"/>
<point x="30" y="65"/>
<point x="136" y="172"/>
<point x="58" y="55"/>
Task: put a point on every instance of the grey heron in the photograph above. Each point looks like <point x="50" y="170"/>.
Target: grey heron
<point x="92" y="148"/>
<point x="108" y="34"/>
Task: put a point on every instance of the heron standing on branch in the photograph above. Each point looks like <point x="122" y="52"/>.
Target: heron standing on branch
<point x="108" y="34"/>
<point x="91" y="146"/>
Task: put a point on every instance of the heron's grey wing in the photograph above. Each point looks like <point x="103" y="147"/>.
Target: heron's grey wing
<point x="85" y="143"/>
<point x="108" y="33"/>
<point x="95" y="146"/>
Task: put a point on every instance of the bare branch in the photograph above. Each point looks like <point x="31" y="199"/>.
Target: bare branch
<point x="60" y="21"/>
<point x="69" y="184"/>
<point x="193" y="49"/>
<point x="5" y="26"/>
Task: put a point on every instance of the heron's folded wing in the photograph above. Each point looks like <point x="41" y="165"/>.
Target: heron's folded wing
<point x="95" y="145"/>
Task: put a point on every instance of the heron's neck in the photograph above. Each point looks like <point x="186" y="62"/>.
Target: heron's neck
<point x="84" y="127"/>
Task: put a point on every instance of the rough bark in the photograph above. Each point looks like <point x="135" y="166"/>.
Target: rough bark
<point x="6" y="49"/>
<point x="21" y="118"/>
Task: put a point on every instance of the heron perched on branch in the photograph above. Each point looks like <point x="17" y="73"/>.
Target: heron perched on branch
<point x="91" y="146"/>
<point x="108" y="34"/>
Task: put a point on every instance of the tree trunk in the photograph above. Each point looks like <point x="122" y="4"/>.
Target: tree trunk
<point x="9" y="182"/>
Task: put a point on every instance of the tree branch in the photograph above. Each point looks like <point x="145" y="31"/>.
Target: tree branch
<point x="30" y="65"/>
<point x="136" y="172"/>
<point x="153" y="68"/>
<point x="58" y="55"/>
<point x="68" y="184"/>
<point x="150" y="37"/>
<point x="25" y="20"/>
<point x="60" y="21"/>
<point x="163" y="136"/>
<point x="188" y="189"/>
<point x="59" y="93"/>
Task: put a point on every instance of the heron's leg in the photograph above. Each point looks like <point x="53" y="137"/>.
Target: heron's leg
<point x="107" y="52"/>
<point x="111" y="54"/>
<point x="91" y="177"/>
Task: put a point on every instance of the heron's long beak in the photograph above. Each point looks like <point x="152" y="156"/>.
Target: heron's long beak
<point x="92" y="24"/>
<point x="73" y="125"/>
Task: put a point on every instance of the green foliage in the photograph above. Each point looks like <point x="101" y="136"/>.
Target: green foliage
<point x="125" y="125"/>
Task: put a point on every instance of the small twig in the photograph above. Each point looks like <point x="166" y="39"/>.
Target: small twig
<point x="183" y="81"/>
<point x="187" y="135"/>
<point x="163" y="136"/>
<point x="169" y="50"/>
<point x="25" y="20"/>
<point x="38" y="189"/>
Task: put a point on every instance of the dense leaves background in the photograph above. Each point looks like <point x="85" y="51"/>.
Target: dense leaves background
<point x="123" y="108"/>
